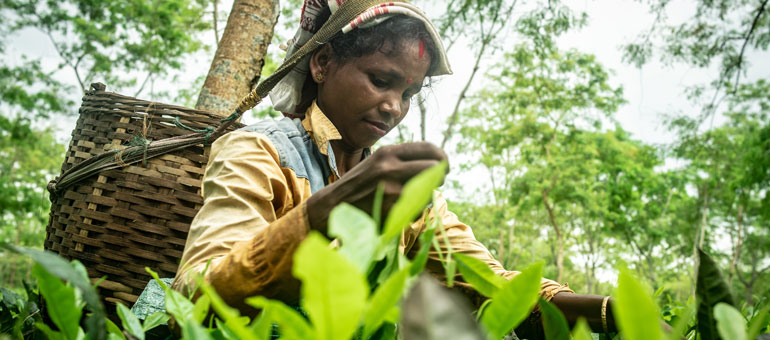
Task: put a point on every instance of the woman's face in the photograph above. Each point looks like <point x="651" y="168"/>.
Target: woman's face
<point x="366" y="97"/>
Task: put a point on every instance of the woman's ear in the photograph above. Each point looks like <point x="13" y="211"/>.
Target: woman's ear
<point x="319" y="63"/>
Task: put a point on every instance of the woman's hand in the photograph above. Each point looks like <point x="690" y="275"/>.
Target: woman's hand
<point x="392" y="165"/>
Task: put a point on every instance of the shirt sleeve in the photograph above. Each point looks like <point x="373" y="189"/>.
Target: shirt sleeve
<point x="462" y="240"/>
<point x="251" y="222"/>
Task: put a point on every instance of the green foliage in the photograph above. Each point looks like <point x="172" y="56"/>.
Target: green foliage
<point x="98" y="40"/>
<point x="554" y="323"/>
<point x="634" y="309"/>
<point x="513" y="302"/>
<point x="711" y="290"/>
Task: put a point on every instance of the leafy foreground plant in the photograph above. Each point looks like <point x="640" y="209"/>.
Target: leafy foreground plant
<point x="365" y="289"/>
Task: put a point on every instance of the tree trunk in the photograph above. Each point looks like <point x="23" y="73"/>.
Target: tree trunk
<point x="240" y="55"/>
<point x="559" y="238"/>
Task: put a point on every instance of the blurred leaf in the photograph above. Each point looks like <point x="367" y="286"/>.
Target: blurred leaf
<point x="130" y="322"/>
<point x="154" y="320"/>
<point x="758" y="322"/>
<point x="634" y="309"/>
<point x="419" y="261"/>
<point x="62" y="269"/>
<point x="711" y="289"/>
<point x="231" y="317"/>
<point x="291" y="324"/>
<point x="201" y="308"/>
<point x="432" y="312"/>
<point x="513" y="302"/>
<point x="357" y="232"/>
<point x="60" y="302"/>
<point x="554" y="323"/>
<point x="730" y="323"/>
<point x="333" y="291"/>
<point x="479" y="275"/>
<point x="581" y="331"/>
<point x="384" y="298"/>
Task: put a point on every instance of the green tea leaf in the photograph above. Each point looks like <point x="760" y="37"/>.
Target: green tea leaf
<point x="682" y="322"/>
<point x="479" y="275"/>
<point x="49" y="333"/>
<point x="758" y="322"/>
<point x="201" y="308"/>
<point x="730" y="323"/>
<point x="291" y="324"/>
<point x="415" y="196"/>
<point x="154" y="320"/>
<point x="581" y="331"/>
<point x="513" y="302"/>
<point x="357" y="232"/>
<point x="262" y="327"/>
<point x="114" y="331"/>
<point x="193" y="330"/>
<point x="385" y="297"/>
<point x="554" y="323"/>
<point x="433" y="312"/>
<point x="130" y="322"/>
<point x="178" y="306"/>
<point x="635" y="310"/>
<point x="60" y="302"/>
<point x="419" y="261"/>
<point x="334" y="292"/>
<point x="231" y="316"/>
<point x="710" y="289"/>
<point x="59" y="267"/>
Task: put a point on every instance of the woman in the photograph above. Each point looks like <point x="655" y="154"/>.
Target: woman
<point x="269" y="184"/>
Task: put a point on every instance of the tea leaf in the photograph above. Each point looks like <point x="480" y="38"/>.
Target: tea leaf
<point x="419" y="261"/>
<point x="64" y="270"/>
<point x="513" y="302"/>
<point x="357" y="232"/>
<point x="710" y="289"/>
<point x="130" y="322"/>
<point x="581" y="331"/>
<point x="758" y="322"/>
<point x="60" y="300"/>
<point x="201" y="308"/>
<point x="634" y="309"/>
<point x="554" y="323"/>
<point x="385" y="297"/>
<point x="193" y="330"/>
<point x="415" y="196"/>
<point x="291" y="324"/>
<point x="334" y="292"/>
<point x="114" y="331"/>
<point x="231" y="316"/>
<point x="432" y="312"/>
<point x="479" y="275"/>
<point x="178" y="306"/>
<point x="49" y="333"/>
<point x="730" y="323"/>
<point x="154" y="320"/>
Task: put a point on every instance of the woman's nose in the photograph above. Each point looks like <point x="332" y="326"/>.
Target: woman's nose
<point x="391" y="105"/>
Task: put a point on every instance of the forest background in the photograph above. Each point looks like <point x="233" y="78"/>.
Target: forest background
<point x="554" y="155"/>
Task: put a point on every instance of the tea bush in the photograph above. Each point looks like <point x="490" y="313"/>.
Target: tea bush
<point x="375" y="292"/>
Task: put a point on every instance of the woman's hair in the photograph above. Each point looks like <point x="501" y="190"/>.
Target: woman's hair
<point x="388" y="37"/>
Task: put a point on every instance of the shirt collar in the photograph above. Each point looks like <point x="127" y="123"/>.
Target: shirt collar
<point x="320" y="128"/>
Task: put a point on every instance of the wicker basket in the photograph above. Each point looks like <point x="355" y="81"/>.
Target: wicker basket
<point x="122" y="220"/>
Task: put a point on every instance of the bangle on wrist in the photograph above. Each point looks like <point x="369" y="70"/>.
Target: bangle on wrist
<point x="604" y="314"/>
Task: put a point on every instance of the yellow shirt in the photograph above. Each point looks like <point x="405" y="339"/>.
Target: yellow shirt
<point x="254" y="216"/>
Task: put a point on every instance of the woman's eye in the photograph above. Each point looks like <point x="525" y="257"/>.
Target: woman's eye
<point x="378" y="81"/>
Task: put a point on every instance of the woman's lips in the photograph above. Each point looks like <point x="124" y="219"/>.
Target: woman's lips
<point x="379" y="128"/>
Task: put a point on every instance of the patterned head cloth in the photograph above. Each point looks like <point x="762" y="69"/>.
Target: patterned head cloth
<point x="287" y="93"/>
